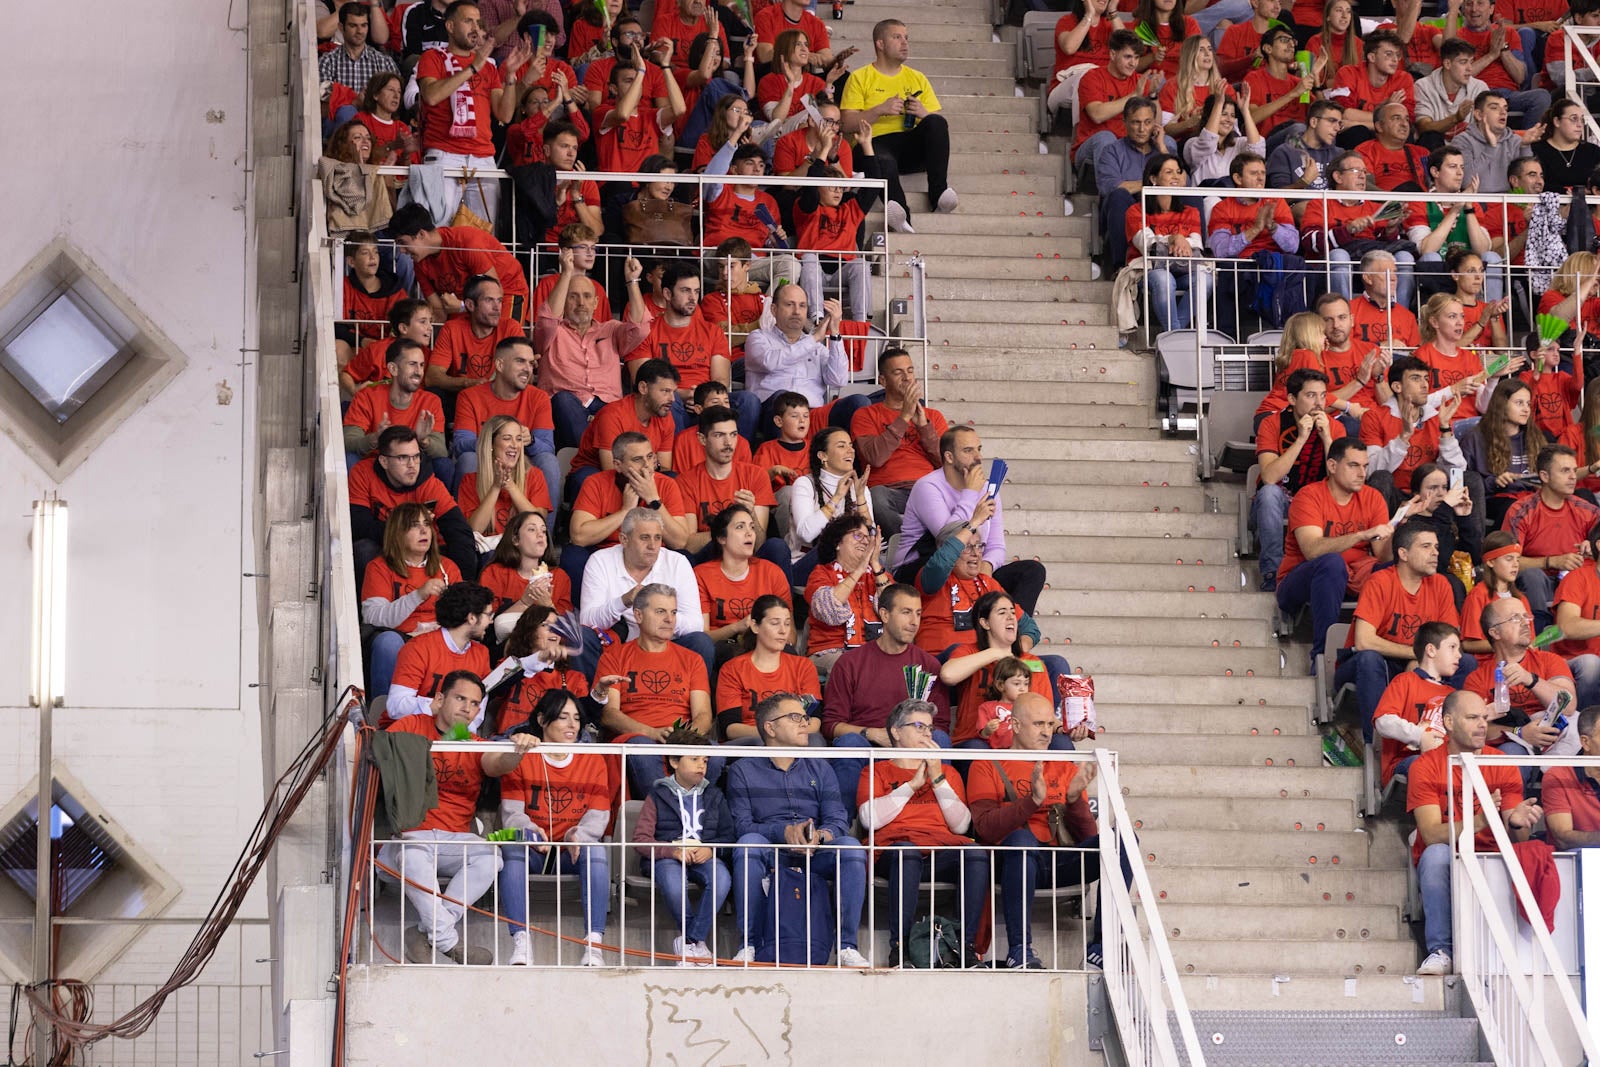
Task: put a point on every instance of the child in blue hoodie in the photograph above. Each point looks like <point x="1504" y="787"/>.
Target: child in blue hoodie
<point x="682" y="816"/>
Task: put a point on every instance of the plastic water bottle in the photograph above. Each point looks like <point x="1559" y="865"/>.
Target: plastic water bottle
<point x="1502" y="693"/>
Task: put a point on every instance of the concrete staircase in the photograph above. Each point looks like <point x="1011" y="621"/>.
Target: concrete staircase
<point x="1273" y="891"/>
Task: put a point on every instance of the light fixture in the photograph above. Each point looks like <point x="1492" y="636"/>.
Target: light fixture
<point x="48" y="669"/>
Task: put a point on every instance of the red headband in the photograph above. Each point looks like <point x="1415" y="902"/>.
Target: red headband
<point x="1505" y="550"/>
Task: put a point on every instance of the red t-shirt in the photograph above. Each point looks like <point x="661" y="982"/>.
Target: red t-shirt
<point x="424" y="661"/>
<point x="1363" y="96"/>
<point x="1315" y="506"/>
<point x="369" y="310"/>
<point x="1590" y="310"/>
<point x="740" y="686"/>
<point x="1278" y="433"/>
<point x="1472" y="611"/>
<point x="1099" y="87"/>
<point x="795" y="459"/>
<point x="772" y="20"/>
<point x="1446" y="370"/>
<point x="558" y="796"/>
<point x="975" y="690"/>
<point x="921" y="821"/>
<point x="1395" y="614"/>
<point x="461" y="353"/>
<point x="615" y="419"/>
<point x="714" y="308"/>
<point x="1325" y="225"/>
<point x="1581" y="589"/>
<point x="1416" y="699"/>
<point x="833" y="229"/>
<point x="460" y="777"/>
<point x="1371" y="323"/>
<point x="707" y="496"/>
<point x="371" y="362"/>
<point x="478" y="404"/>
<point x="659" y="684"/>
<point x="772" y="87"/>
<point x="1236" y="216"/>
<point x="908" y="461"/>
<point x="1555" y="394"/>
<point x="1433" y="781"/>
<point x="472" y="104"/>
<point x="601" y="496"/>
<point x="1096" y="46"/>
<point x="367" y="490"/>
<point x="863" y="607"/>
<point x="1564" y="792"/>
<point x="369" y="407"/>
<point x="986" y="781"/>
<point x="380" y="582"/>
<point x="386" y="133"/>
<point x="1264" y="89"/>
<point x="466" y="253"/>
<point x="1379" y="426"/>
<point x="687" y="451"/>
<point x="1546" y="531"/>
<point x="668" y="23"/>
<point x="944" y="608"/>
<point x="1344" y="367"/>
<point x="1392" y="168"/>
<point x="689" y="348"/>
<point x="623" y="147"/>
<point x="728" y="600"/>
<point x="524" y="694"/>
<point x="1547" y="665"/>
<point x="597" y="76"/>
<point x="1240" y="45"/>
<point x="508" y="586"/>
<point x="734" y="213"/>
<point x="787" y="153"/>
<point x="1168" y="98"/>
<point x="1277" y="398"/>
<point x="1184" y="221"/>
<point x="533" y="488"/>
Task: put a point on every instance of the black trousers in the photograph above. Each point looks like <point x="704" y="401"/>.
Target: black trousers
<point x="924" y="147"/>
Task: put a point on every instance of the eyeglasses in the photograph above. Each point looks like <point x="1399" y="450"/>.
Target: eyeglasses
<point x="405" y="457"/>
<point x="798" y="718"/>
<point x="920" y="727"/>
<point x="630" y="35"/>
<point x="1512" y="618"/>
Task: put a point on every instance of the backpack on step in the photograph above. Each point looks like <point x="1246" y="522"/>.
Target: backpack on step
<point x="799" y="923"/>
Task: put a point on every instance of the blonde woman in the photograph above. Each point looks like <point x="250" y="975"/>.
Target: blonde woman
<point x="504" y="484"/>
<point x="1183" y="99"/>
<point x="1338" y="39"/>
<point x="1304" y="338"/>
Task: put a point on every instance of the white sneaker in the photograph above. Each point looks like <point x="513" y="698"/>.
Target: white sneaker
<point x="849" y="957"/>
<point x="519" y="949"/>
<point x="947" y="202"/>
<point x="896" y="216"/>
<point x="700" y="953"/>
<point x="591" y="952"/>
<point x="1438" y="962"/>
<point x="745" y="955"/>
<point x="683" y="951"/>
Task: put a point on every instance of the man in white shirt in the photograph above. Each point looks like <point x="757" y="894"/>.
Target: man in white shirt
<point x="784" y="357"/>
<point x="615" y="575"/>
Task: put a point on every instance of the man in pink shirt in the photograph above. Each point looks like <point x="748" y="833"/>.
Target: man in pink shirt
<point x="580" y="364"/>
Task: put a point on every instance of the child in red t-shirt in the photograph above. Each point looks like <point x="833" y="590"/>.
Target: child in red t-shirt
<point x="1011" y="678"/>
<point x="788" y="455"/>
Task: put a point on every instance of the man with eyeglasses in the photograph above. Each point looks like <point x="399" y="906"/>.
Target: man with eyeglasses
<point x="783" y="809"/>
<point x="1306" y="164"/>
<point x="393" y="477"/>
<point x="1330" y="226"/>
<point x="1278" y="89"/>
<point x="1552" y="526"/>
<point x="1392" y="160"/>
<point x="1362" y="88"/>
<point x="627" y="34"/>
<point x="1534" y="678"/>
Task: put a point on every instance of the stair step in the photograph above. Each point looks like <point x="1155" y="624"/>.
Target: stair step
<point x="959" y="104"/>
<point x="1075" y="603"/>
<point x="1147" y="689"/>
<point x="1022" y="217"/>
<point x="1019" y="290"/>
<point x="972" y="26"/>
<point x="1183" y="719"/>
<point x="997" y="312"/>
<point x="1112" y="549"/>
<point x="1378" y="993"/>
<point x="1028" y="474"/>
<point x="1255" y="848"/>
<point x="970" y="15"/>
<point x="946" y="362"/>
<point x="1231" y="813"/>
<point x="1214" y="633"/>
<point x="1142" y="577"/>
<point x="1208" y="922"/>
<point x="968" y="243"/>
<point x="1022" y="268"/>
<point x="1016" y="441"/>
<point x="928" y="50"/>
<point x="1177" y="526"/>
<point x="1017" y="139"/>
<point x="1034" y="335"/>
<point x="942" y="393"/>
<point x="1227" y="750"/>
<point x="992" y="200"/>
<point x="1274" y="957"/>
<point x="1353" y="1038"/>
<point x="1018" y="121"/>
<point x="1019" y="412"/>
<point x="1178" y="779"/>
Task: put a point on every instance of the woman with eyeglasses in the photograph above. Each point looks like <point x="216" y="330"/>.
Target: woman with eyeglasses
<point x="842" y="591"/>
<point x="1568" y="158"/>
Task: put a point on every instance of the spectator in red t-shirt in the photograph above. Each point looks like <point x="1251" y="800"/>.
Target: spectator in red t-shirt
<point x="1167" y="239"/>
<point x="743" y="210"/>
<point x="1409" y="429"/>
<point x="463" y="613"/>
<point x="461" y="95"/>
<point x="1331" y="227"/>
<point x="733" y="578"/>
<point x="897" y="438"/>
<point x="1083" y="39"/>
<point x="628" y="132"/>
<point x="1534" y="679"/>
<point x="368" y="367"/>
<point x="1551" y="525"/>
<point x="1432" y="782"/>
<point x="447" y="257"/>
<point x="782" y="91"/>
<point x="829" y="221"/>
<point x="1379" y="80"/>
<point x="510" y="392"/>
<point x="1392" y="160"/>
<point x="1292" y="449"/>
<point x="393" y="477"/>
<point x="773" y="19"/>
<point x="1278" y="87"/>
<point x="399" y="587"/>
<point x="693" y="347"/>
<point x="370" y="290"/>
<point x="405" y="403"/>
<point x="1239" y="45"/>
<point x="463" y="353"/>
<point x="722" y="480"/>
<point x="1506" y="50"/>
<point x="1105" y="91"/>
<point x="1577" y="612"/>
<point x="504" y="483"/>
<point x="1409" y="720"/>
<point x="1569" y="794"/>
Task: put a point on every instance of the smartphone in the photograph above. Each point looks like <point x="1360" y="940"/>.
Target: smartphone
<point x="1455" y="478"/>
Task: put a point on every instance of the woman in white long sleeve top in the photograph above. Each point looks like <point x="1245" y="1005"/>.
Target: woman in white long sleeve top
<point x="831" y="489"/>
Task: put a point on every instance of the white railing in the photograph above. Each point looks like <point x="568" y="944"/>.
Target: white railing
<point x="1577" y="41"/>
<point x="1142" y="981"/>
<point x="1525" y="1001"/>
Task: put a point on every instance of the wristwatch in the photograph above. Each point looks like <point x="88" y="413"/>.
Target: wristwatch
<point x="1533" y="680"/>
<point x="654" y="505"/>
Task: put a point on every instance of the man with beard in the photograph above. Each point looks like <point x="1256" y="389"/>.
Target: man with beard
<point x="404" y="403"/>
<point x="694" y="347"/>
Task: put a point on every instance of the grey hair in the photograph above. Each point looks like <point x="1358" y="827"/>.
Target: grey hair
<point x="624" y="439"/>
<point x="642" y="598"/>
<point x="1370" y="261"/>
<point x="907" y="708"/>
<point x="635" y="516"/>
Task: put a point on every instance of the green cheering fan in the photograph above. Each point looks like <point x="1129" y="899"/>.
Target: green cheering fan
<point x="1547" y="637"/>
<point x="1551" y="327"/>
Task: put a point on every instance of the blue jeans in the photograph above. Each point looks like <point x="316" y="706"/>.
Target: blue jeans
<point x="591" y="867"/>
<point x="1269" y="509"/>
<point x="1586" y="676"/>
<point x="673" y="878"/>
<point x="464" y="447"/>
<point x="1373" y="671"/>
<point x="746" y="412"/>
<point x="849" y="771"/>
<point x="1405" y="282"/>
<point x="1540" y="589"/>
<point x="1533" y="103"/>
<point x="845" y="869"/>
<point x="1019" y="881"/>
<point x="1174" y="294"/>
<point x="386" y="648"/>
<point x="1320" y="582"/>
<point x="645" y="771"/>
<point x="1494" y="278"/>
<point x="1232" y="10"/>
<point x="904" y="866"/>
<point x="571" y="417"/>
<point x="1433" y="880"/>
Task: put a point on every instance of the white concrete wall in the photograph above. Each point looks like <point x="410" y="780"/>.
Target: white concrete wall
<point x="414" y="1016"/>
<point x="127" y="130"/>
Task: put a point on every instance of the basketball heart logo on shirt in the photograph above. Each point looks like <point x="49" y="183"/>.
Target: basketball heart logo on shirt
<point x="656" y="682"/>
<point x="1338" y="528"/>
<point x="559" y="798"/>
<point x="1405" y="625"/>
<point x="739" y="607"/>
<point x="681" y="352"/>
<point x="1551" y="404"/>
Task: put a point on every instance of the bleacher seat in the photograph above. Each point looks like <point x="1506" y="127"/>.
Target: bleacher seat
<point x="1182" y="381"/>
<point x="1329" y="698"/>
